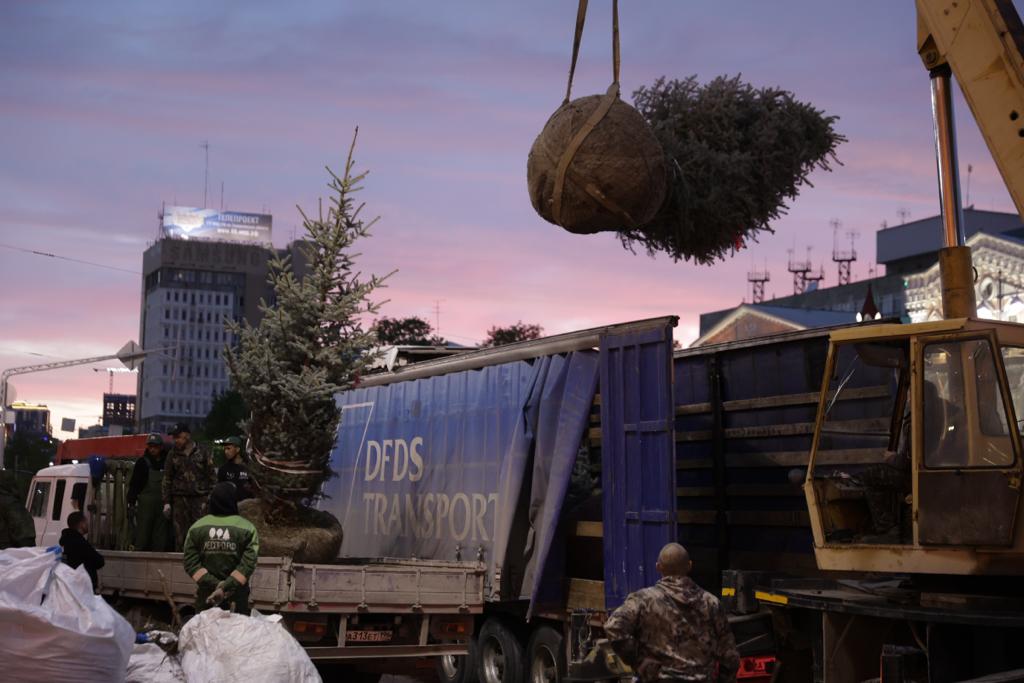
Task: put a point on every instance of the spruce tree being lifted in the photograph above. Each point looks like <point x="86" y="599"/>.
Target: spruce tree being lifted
<point x="309" y="345"/>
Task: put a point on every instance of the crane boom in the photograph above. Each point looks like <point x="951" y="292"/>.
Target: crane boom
<point x="982" y="41"/>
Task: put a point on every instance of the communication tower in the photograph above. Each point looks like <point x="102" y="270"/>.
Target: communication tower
<point x="757" y="278"/>
<point x="843" y="258"/>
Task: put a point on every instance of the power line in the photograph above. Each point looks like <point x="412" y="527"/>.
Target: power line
<point x="68" y="258"/>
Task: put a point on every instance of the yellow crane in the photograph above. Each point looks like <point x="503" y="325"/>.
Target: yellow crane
<point x="957" y="384"/>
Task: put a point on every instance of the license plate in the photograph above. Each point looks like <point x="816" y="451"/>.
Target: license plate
<point x="368" y="636"/>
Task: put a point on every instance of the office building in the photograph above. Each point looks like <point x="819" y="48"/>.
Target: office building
<point x="29" y="419"/>
<point x="202" y="273"/>
<point x="119" y="413"/>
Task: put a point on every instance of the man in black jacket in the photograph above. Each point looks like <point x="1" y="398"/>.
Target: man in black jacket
<point x="77" y="549"/>
<point x="234" y="469"/>
<point x="152" y="529"/>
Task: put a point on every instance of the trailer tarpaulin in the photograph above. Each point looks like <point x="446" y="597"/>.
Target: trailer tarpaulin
<point x="435" y="468"/>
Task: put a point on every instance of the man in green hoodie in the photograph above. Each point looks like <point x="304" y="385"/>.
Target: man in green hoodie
<point x="674" y="630"/>
<point x="220" y="553"/>
<point x="16" y="527"/>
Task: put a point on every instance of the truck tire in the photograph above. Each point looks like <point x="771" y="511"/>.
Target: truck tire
<point x="545" y="656"/>
<point x="455" y="669"/>
<point x="500" y="655"/>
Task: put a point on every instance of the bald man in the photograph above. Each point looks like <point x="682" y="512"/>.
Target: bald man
<point x="674" y="630"/>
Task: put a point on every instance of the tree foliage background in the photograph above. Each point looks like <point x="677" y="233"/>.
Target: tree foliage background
<point x="31" y="453"/>
<point x="520" y="331"/>
<point x="411" y="331"/>
<point x="309" y="345"/>
<point x="227" y="414"/>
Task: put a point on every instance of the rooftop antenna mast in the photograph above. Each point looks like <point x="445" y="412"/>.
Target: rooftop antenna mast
<point x="904" y="214"/>
<point x="815" y="279"/>
<point x="843" y="259"/>
<point x="206" y="171"/>
<point x="437" y="317"/>
<point x="799" y="269"/>
<point x="757" y="278"/>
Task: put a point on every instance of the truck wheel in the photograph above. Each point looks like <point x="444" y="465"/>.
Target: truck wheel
<point x="458" y="669"/>
<point x="545" y="656"/>
<point x="500" y="654"/>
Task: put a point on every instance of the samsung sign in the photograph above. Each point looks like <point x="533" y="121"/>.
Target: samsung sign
<point x="184" y="222"/>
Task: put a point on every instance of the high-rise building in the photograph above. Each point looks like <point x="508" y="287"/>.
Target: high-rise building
<point x="119" y="412"/>
<point x="30" y="419"/>
<point x="191" y="287"/>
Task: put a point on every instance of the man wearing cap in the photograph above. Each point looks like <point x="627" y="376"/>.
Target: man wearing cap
<point x="220" y="553"/>
<point x="188" y="478"/>
<point x="234" y="470"/>
<point x="152" y="530"/>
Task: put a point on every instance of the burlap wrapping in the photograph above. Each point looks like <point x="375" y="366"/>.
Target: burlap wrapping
<point x="302" y="533"/>
<point x="615" y="179"/>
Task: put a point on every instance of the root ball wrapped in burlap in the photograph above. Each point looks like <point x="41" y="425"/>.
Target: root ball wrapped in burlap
<point x="736" y="154"/>
<point x="615" y="177"/>
<point x="302" y="533"/>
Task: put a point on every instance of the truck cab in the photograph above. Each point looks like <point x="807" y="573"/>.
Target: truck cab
<point x="54" y="494"/>
<point x="944" y="494"/>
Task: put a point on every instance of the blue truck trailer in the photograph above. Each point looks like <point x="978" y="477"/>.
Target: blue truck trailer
<point x="564" y="464"/>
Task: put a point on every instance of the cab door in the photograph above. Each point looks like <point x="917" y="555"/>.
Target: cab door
<point x="967" y="460"/>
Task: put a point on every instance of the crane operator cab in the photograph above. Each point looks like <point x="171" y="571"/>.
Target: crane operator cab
<point x="915" y="463"/>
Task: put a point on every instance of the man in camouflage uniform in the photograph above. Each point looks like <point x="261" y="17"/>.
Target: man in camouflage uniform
<point x="674" y="631"/>
<point x="221" y="552"/>
<point x="16" y="527"/>
<point x="189" y="475"/>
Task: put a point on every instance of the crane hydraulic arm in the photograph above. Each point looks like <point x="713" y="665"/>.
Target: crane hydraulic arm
<point x="982" y="42"/>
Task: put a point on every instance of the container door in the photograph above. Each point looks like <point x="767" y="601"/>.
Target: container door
<point x="969" y="470"/>
<point x="638" y="457"/>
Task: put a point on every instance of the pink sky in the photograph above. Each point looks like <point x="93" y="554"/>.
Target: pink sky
<point x="103" y="107"/>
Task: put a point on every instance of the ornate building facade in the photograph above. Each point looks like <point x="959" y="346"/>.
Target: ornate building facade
<point x="910" y="289"/>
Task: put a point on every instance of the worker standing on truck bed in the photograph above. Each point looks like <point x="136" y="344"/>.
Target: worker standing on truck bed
<point x="188" y="477"/>
<point x="220" y="553"/>
<point x="16" y="527"/>
<point x="152" y="529"/>
<point x="234" y="470"/>
<point x="674" y="630"/>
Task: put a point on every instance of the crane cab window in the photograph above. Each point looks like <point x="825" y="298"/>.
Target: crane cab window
<point x="40" y="495"/>
<point x="964" y="418"/>
<point x="1013" y="361"/>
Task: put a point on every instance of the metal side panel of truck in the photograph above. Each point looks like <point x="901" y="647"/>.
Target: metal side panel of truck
<point x="551" y="462"/>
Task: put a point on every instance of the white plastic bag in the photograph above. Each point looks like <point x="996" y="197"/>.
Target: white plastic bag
<point x="52" y="626"/>
<point x="150" y="664"/>
<point x="232" y="648"/>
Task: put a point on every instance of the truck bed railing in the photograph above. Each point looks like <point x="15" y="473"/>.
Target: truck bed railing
<point x="278" y="584"/>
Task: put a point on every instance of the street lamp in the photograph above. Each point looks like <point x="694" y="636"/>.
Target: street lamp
<point x="130" y="355"/>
